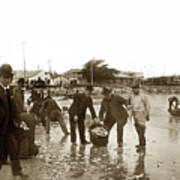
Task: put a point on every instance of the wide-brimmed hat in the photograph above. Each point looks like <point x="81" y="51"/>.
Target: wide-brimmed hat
<point x="6" y="70"/>
<point x="106" y="90"/>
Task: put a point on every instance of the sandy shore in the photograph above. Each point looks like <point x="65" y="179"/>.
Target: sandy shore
<point x="58" y="159"/>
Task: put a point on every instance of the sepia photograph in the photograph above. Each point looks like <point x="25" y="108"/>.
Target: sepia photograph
<point x="89" y="90"/>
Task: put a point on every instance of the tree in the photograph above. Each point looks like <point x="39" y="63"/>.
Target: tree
<point x="101" y="72"/>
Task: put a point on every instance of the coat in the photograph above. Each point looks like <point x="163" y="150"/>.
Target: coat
<point x="114" y="106"/>
<point x="19" y="99"/>
<point x="4" y="112"/>
<point x="49" y="106"/>
<point x="80" y="104"/>
<point x="9" y="120"/>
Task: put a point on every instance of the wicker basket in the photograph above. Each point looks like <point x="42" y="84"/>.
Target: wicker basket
<point x="98" y="140"/>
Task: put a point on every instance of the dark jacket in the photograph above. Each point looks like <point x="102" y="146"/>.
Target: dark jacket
<point x="49" y="105"/>
<point x="80" y="103"/>
<point x="9" y="116"/>
<point x="19" y="99"/>
<point x="114" y="106"/>
<point x="4" y="112"/>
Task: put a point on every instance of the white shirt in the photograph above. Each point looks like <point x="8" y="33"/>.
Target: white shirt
<point x="140" y="103"/>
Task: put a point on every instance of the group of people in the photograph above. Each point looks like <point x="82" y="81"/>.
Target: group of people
<point x="114" y="109"/>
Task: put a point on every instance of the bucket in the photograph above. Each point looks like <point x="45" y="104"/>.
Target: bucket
<point x="99" y="135"/>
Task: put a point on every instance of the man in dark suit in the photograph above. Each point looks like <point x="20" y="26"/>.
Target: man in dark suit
<point x="52" y="112"/>
<point x="114" y="108"/>
<point x="19" y="95"/>
<point x="77" y="112"/>
<point x="10" y="130"/>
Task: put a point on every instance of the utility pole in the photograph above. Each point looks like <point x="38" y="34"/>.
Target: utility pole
<point x="91" y="71"/>
<point x="50" y="70"/>
<point x="24" y="58"/>
<point x="49" y="61"/>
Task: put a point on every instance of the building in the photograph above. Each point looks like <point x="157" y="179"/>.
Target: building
<point x="34" y="76"/>
<point x="129" y="78"/>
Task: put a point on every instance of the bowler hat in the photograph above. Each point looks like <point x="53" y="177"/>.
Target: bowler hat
<point x="6" y="70"/>
<point x="89" y="88"/>
<point x="21" y="80"/>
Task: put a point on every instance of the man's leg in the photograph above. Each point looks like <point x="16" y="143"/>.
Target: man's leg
<point x="121" y="121"/>
<point x="5" y="154"/>
<point x="81" y="128"/>
<point x="62" y="123"/>
<point x="141" y="134"/>
<point x="12" y="148"/>
<point x="72" y="128"/>
<point x="47" y="120"/>
<point x="1" y="150"/>
<point x="120" y="134"/>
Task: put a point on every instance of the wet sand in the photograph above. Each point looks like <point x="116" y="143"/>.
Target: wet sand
<point x="59" y="160"/>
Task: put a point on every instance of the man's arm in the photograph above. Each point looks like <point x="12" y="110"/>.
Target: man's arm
<point x="147" y="107"/>
<point x="57" y="106"/>
<point x="2" y="111"/>
<point x="90" y="105"/>
<point x="122" y="100"/>
<point x="18" y="100"/>
<point x="15" y="113"/>
<point x="102" y="111"/>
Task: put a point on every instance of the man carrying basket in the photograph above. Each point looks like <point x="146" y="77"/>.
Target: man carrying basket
<point x="114" y="108"/>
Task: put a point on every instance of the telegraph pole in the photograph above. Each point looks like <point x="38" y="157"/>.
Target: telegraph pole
<point x="24" y="58"/>
<point x="91" y="71"/>
<point x="49" y="61"/>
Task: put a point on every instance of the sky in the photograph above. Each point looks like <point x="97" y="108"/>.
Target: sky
<point x="130" y="35"/>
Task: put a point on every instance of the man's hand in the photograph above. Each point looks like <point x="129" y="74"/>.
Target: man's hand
<point x="97" y="121"/>
<point x="24" y="126"/>
<point x="75" y="118"/>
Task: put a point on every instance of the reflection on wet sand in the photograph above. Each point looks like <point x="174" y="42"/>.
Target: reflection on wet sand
<point x="98" y="155"/>
<point x="117" y="169"/>
<point x="106" y="166"/>
<point x="139" y="172"/>
<point x="77" y="161"/>
<point x="173" y="131"/>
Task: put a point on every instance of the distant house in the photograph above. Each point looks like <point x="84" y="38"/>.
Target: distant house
<point x="73" y="76"/>
<point x="128" y="78"/>
<point x="40" y="74"/>
<point x="163" y="80"/>
<point x="73" y="73"/>
<point x="32" y="76"/>
<point x="60" y="80"/>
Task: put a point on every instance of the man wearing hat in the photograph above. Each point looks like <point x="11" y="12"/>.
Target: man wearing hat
<point x="52" y="112"/>
<point x="140" y="111"/>
<point x="77" y="112"/>
<point x="114" y="108"/>
<point x="9" y="122"/>
<point x="19" y="95"/>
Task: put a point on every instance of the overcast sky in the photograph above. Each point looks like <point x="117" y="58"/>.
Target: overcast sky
<point x="134" y="35"/>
